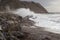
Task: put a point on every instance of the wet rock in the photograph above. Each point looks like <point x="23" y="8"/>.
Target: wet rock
<point x="11" y="27"/>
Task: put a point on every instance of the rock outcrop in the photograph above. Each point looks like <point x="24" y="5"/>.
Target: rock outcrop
<point x="10" y="27"/>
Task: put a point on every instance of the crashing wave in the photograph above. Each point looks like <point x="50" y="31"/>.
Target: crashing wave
<point x="50" y="22"/>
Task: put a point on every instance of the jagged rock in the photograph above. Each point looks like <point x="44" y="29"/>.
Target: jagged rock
<point x="10" y="27"/>
<point x="15" y="4"/>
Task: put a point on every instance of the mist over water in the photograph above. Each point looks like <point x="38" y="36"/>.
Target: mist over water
<point x="51" y="22"/>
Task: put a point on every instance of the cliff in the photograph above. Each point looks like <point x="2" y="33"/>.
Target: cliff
<point x="36" y="7"/>
<point x="15" y="4"/>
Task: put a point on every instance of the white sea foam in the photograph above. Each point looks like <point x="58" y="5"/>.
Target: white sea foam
<point x="51" y="22"/>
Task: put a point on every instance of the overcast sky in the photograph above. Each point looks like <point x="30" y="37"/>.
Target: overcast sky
<point x="50" y="5"/>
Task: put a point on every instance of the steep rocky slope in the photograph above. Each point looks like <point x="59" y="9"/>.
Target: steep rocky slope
<point x="15" y="4"/>
<point x="36" y="7"/>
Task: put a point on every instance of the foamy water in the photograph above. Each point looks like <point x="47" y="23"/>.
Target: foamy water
<point x="51" y="22"/>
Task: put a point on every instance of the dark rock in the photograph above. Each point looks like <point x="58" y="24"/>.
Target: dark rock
<point x="11" y="27"/>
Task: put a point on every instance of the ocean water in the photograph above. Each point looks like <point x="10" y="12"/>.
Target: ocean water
<point x="51" y="22"/>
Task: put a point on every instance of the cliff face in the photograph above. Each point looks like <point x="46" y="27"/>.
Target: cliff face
<point x="34" y="6"/>
<point x="15" y="4"/>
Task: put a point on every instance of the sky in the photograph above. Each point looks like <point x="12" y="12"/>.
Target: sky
<point x="50" y="5"/>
